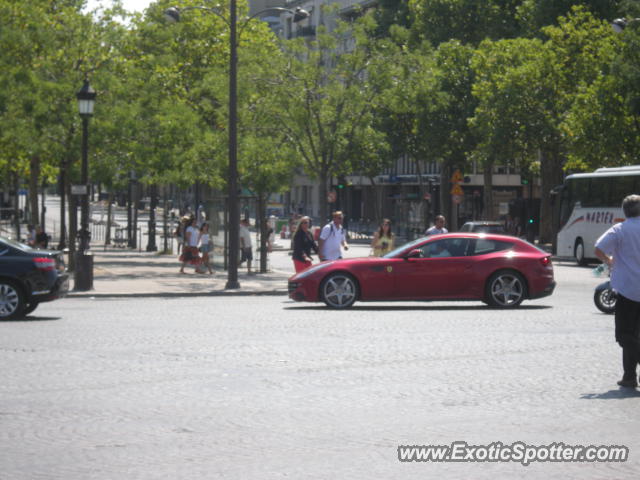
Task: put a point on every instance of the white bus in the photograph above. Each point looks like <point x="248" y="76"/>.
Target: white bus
<point x="590" y="203"/>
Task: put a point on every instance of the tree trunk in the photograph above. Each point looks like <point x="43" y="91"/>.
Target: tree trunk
<point x="34" y="175"/>
<point x="16" y="210"/>
<point x="73" y="227"/>
<point x="487" y="196"/>
<point x="63" y="207"/>
<point x="377" y="203"/>
<point x="445" y="197"/>
<point x="43" y="208"/>
<point x="262" y="229"/>
<point x="550" y="176"/>
<point x="324" y="204"/>
<point x="107" y="235"/>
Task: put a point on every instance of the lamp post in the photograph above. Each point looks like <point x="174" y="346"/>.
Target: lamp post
<point x="173" y="15"/>
<point x="619" y="24"/>
<point x="84" y="263"/>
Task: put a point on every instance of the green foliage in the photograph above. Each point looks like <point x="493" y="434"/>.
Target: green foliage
<point x="468" y="21"/>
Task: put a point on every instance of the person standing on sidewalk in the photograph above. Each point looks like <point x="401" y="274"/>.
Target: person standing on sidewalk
<point x="438" y="228"/>
<point x="619" y="248"/>
<point x="190" y="251"/>
<point x="303" y="243"/>
<point x="383" y="239"/>
<point x="245" y="244"/>
<point x="332" y="238"/>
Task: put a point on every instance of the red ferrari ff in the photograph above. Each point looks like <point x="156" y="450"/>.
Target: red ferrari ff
<point x="499" y="270"/>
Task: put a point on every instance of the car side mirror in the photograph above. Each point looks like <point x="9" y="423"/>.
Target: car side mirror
<point x="415" y="253"/>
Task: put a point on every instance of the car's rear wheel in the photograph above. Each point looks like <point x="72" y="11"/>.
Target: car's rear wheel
<point x="505" y="289"/>
<point x="339" y="290"/>
<point x="11" y="300"/>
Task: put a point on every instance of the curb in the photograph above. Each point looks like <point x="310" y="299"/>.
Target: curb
<point x="230" y="293"/>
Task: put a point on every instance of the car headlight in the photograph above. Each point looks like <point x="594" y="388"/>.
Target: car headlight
<point x="311" y="270"/>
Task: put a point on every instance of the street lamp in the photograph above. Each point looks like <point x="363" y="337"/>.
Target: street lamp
<point x="173" y="15"/>
<point x="619" y="24"/>
<point x="84" y="263"/>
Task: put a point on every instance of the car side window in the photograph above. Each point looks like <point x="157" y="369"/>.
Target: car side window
<point x="448" y="247"/>
<point x="482" y="246"/>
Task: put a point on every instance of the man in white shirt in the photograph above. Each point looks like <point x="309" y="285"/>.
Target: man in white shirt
<point x="438" y="228"/>
<point x="619" y="248"/>
<point x="332" y="238"/>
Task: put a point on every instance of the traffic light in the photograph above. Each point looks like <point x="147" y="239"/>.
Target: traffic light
<point x="524" y="181"/>
<point x="531" y="221"/>
<point x="340" y="185"/>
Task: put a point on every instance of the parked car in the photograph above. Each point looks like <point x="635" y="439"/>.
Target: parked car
<point x="499" y="270"/>
<point x="483" y="227"/>
<point x="29" y="277"/>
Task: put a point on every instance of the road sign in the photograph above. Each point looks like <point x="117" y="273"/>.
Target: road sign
<point x="457" y="190"/>
<point x="427" y="196"/>
<point x="78" y="189"/>
<point x="457" y="199"/>
<point x="457" y="177"/>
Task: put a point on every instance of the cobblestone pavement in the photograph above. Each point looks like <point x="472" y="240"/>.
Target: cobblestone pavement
<point x="263" y="388"/>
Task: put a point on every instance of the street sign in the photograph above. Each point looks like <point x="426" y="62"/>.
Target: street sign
<point x="78" y="189"/>
<point x="457" y="177"/>
<point x="457" y="199"/>
<point x="457" y="190"/>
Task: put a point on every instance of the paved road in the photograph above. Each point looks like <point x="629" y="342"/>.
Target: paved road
<point x="262" y="388"/>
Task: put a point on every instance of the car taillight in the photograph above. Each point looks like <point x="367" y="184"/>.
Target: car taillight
<point x="45" y="264"/>
<point x="546" y="261"/>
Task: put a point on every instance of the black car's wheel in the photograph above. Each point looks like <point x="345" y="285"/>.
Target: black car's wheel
<point x="339" y="290"/>
<point x="30" y="308"/>
<point x="11" y="300"/>
<point x="505" y="289"/>
<point x="578" y="252"/>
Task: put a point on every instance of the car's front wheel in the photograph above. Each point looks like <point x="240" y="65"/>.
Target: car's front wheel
<point x="339" y="290"/>
<point x="11" y="300"/>
<point x="505" y="289"/>
<point x="30" y="308"/>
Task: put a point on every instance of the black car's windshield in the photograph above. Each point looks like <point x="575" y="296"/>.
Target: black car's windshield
<point x="406" y="246"/>
<point x="14" y="244"/>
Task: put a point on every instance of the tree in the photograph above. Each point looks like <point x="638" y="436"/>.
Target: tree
<point x="326" y="102"/>
<point x="467" y="21"/>
<point x="603" y="126"/>
<point x="527" y="94"/>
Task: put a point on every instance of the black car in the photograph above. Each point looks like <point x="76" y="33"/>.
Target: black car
<point x="29" y="277"/>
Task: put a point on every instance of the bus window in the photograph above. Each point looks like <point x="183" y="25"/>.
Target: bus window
<point x="579" y="191"/>
<point x="622" y="187"/>
<point x="599" y="193"/>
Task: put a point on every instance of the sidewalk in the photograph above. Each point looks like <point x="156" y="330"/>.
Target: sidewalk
<point x="121" y="272"/>
<point x="128" y="273"/>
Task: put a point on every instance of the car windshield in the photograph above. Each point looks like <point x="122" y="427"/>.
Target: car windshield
<point x="406" y="246"/>
<point x="14" y="244"/>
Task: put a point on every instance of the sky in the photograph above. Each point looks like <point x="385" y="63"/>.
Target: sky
<point x="130" y="5"/>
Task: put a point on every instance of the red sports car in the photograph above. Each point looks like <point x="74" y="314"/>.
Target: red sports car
<point x="499" y="270"/>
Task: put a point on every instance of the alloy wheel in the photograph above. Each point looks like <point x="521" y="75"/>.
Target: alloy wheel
<point x="339" y="291"/>
<point x="506" y="289"/>
<point x="10" y="301"/>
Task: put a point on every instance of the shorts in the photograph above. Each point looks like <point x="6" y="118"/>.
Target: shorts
<point x="246" y="254"/>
